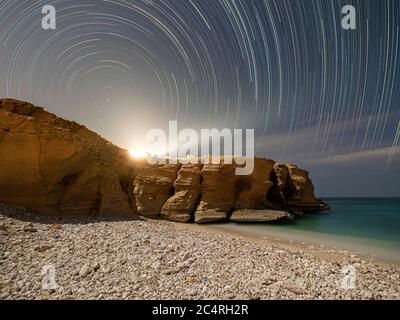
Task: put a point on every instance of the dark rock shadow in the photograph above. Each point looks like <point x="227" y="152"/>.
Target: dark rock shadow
<point x="26" y="215"/>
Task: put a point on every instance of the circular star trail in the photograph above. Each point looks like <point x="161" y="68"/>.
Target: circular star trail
<point x="315" y="94"/>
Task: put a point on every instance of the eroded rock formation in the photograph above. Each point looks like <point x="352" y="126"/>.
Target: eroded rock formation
<point x="153" y="187"/>
<point x="254" y="188"/>
<point x="59" y="167"/>
<point x="295" y="189"/>
<point x="55" y="166"/>
<point x="218" y="190"/>
<point x="181" y="205"/>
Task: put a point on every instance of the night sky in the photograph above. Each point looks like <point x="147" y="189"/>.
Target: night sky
<point x="317" y="95"/>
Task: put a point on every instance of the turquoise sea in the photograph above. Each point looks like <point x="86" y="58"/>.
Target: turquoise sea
<point x="364" y="218"/>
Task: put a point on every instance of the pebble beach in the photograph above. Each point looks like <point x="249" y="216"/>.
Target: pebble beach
<point x="92" y="258"/>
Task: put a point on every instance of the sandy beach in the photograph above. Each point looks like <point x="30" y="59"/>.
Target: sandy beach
<point x="155" y="259"/>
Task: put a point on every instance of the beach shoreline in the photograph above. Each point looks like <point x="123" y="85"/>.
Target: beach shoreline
<point x="157" y="259"/>
<point x="320" y="243"/>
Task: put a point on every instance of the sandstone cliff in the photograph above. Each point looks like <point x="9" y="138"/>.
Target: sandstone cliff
<point x="55" y="166"/>
<point x="59" y="167"/>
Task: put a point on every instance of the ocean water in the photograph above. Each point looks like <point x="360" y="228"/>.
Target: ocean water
<point x="361" y="225"/>
<point x="363" y="218"/>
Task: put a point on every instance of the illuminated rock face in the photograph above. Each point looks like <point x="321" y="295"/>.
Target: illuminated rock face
<point x="153" y="187"/>
<point x="254" y="188"/>
<point x="59" y="167"/>
<point x="181" y="205"/>
<point x="294" y="188"/>
<point x="55" y="166"/>
<point x="217" y="193"/>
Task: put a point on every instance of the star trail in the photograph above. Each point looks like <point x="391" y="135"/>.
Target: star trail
<point x="317" y="95"/>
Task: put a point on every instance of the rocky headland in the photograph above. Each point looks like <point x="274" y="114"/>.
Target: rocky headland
<point x="57" y="167"/>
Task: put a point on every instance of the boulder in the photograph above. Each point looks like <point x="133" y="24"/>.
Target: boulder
<point x="180" y="207"/>
<point x="57" y="167"/>
<point x="259" y="215"/>
<point x="206" y="215"/>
